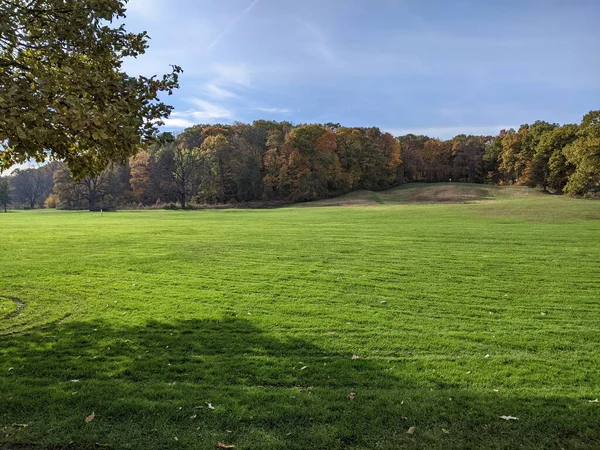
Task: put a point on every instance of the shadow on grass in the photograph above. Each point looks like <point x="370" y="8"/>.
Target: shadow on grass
<point x="192" y="384"/>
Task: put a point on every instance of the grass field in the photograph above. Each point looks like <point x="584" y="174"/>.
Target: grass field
<point x="305" y="327"/>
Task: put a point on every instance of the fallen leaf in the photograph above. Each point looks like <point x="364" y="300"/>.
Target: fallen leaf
<point x="445" y="431"/>
<point x="210" y="406"/>
<point x="194" y="416"/>
<point x="331" y="332"/>
<point x="411" y="430"/>
<point x="351" y="395"/>
<point x="74" y="381"/>
<point x="355" y="357"/>
<point x="303" y="367"/>
<point x="176" y="438"/>
<point x="89" y="418"/>
<point x="249" y="313"/>
<point x="509" y="418"/>
<point x="593" y="401"/>
<point x="487" y="356"/>
<point x="224" y="445"/>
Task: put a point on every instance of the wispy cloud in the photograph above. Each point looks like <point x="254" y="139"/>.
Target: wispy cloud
<point x="217" y="92"/>
<point x="274" y="110"/>
<point x="317" y="44"/>
<point x="231" y="25"/>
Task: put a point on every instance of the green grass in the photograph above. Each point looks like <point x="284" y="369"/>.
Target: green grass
<point x="259" y="313"/>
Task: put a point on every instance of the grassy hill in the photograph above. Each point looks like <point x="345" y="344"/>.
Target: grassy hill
<point x="421" y="193"/>
<point x="438" y="307"/>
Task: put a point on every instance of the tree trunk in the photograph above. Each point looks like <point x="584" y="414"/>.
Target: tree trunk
<point x="182" y="200"/>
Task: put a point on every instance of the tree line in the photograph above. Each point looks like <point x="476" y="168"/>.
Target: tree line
<point x="270" y="162"/>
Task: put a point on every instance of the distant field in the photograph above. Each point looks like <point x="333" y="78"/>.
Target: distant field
<point x="438" y="307"/>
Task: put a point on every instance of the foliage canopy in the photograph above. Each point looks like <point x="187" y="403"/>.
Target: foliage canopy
<point x="63" y="93"/>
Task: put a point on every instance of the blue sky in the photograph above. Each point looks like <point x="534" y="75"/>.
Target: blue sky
<point x="432" y="67"/>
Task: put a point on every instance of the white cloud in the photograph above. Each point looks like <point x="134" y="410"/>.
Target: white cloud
<point x="178" y="122"/>
<point x="203" y="112"/>
<point x="215" y="91"/>
<point x="209" y="111"/>
<point x="274" y="110"/>
<point x="450" y="132"/>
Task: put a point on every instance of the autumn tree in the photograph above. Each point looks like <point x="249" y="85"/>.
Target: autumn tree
<point x="389" y="148"/>
<point x="411" y="150"/>
<point x="584" y="154"/>
<point x="211" y="162"/>
<point x="64" y="95"/>
<point x="437" y="160"/>
<point x="307" y="166"/>
<point x="518" y="151"/>
<point x="350" y="144"/>
<point x="549" y="167"/>
<point x="144" y="178"/>
<point x="185" y="163"/>
<point x="511" y="163"/>
<point x="467" y="158"/>
<point x="491" y="158"/>
<point x="250" y="142"/>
